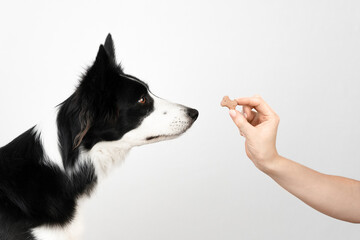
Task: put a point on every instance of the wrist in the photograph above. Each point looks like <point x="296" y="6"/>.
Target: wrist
<point x="271" y="165"/>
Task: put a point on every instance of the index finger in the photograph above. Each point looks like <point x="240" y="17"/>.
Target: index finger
<point x="258" y="103"/>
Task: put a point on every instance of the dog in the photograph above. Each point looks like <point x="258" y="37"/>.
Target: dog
<point x="48" y="171"/>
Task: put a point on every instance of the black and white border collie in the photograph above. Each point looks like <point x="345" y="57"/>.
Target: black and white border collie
<point x="46" y="172"/>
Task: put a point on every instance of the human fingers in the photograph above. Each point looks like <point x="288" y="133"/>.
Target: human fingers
<point x="249" y="115"/>
<point x="241" y="122"/>
<point x="256" y="102"/>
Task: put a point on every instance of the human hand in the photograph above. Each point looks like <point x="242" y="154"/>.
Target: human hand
<point x="259" y="129"/>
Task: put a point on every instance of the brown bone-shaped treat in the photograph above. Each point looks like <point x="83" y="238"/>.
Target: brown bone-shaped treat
<point x="227" y="102"/>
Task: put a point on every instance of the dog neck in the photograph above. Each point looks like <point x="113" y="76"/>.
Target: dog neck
<point x="106" y="155"/>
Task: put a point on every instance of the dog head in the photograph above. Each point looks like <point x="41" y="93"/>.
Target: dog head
<point x="115" y="106"/>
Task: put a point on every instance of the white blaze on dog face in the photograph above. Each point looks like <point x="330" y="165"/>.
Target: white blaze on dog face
<point x="167" y="121"/>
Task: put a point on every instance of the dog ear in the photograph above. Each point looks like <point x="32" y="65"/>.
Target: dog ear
<point x="102" y="58"/>
<point x="95" y="81"/>
<point x="92" y="82"/>
<point x="110" y="48"/>
<point x="97" y="73"/>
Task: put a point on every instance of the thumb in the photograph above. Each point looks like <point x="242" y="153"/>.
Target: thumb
<point x="241" y="122"/>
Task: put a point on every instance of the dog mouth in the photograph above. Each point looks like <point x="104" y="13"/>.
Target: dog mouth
<point x="167" y="136"/>
<point x="153" y="137"/>
<point x="162" y="136"/>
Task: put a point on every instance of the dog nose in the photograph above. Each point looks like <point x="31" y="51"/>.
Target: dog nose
<point x="193" y="113"/>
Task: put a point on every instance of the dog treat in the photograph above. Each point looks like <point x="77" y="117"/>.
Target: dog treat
<point x="227" y="102"/>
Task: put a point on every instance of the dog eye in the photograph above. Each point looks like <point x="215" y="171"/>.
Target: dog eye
<point x="142" y="100"/>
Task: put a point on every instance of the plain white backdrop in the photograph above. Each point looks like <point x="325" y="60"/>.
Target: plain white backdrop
<point x="303" y="57"/>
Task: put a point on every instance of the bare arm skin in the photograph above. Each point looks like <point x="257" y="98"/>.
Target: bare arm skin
<point x="334" y="196"/>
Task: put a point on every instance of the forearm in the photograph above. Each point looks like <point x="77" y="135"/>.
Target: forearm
<point x="335" y="196"/>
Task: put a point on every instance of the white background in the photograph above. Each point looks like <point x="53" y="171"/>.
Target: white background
<point x="303" y="57"/>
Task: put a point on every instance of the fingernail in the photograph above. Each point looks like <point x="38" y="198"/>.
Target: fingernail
<point x="245" y="115"/>
<point x="232" y="113"/>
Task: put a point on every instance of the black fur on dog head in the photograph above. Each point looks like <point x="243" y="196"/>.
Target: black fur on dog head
<point x="106" y="105"/>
